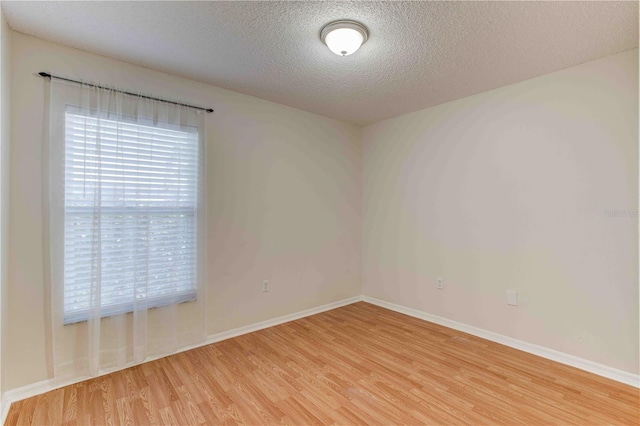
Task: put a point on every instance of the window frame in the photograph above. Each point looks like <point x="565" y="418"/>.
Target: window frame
<point x="110" y="310"/>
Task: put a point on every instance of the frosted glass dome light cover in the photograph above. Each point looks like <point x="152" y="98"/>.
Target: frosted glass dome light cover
<point x="344" y="41"/>
<point x="344" y="37"/>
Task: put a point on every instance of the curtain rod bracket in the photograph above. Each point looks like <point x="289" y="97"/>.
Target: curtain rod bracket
<point x="47" y="75"/>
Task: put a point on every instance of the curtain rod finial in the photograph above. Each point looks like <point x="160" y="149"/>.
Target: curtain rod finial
<point x="44" y="74"/>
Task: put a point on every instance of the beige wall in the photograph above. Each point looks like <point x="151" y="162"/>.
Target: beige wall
<point x="283" y="190"/>
<point x="509" y="189"/>
<point x="5" y="133"/>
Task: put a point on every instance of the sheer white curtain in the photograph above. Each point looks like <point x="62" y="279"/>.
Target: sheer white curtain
<point x="126" y="228"/>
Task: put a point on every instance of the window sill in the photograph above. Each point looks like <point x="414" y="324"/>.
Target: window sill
<point x="114" y="310"/>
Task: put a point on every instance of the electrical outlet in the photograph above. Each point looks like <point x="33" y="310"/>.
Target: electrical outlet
<point x="440" y="282"/>
<point x="265" y="286"/>
<point x="512" y="298"/>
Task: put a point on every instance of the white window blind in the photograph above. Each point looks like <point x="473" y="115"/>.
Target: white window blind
<point x="131" y="200"/>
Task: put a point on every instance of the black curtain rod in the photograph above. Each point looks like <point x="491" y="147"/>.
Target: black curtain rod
<point x="45" y="74"/>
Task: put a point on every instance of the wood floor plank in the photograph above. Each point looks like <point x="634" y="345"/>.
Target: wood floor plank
<point x="359" y="364"/>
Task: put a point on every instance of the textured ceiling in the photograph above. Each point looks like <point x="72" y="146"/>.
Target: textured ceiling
<point x="419" y="54"/>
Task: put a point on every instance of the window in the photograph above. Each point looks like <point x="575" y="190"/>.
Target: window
<point x="131" y="197"/>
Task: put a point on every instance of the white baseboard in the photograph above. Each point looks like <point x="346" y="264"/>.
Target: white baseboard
<point x="561" y="357"/>
<point x="47" y="385"/>
<point x="280" y="320"/>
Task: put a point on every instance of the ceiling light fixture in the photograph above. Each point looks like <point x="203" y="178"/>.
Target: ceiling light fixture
<point x="344" y="37"/>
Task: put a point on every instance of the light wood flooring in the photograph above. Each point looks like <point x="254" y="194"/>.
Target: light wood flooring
<point x="360" y="364"/>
